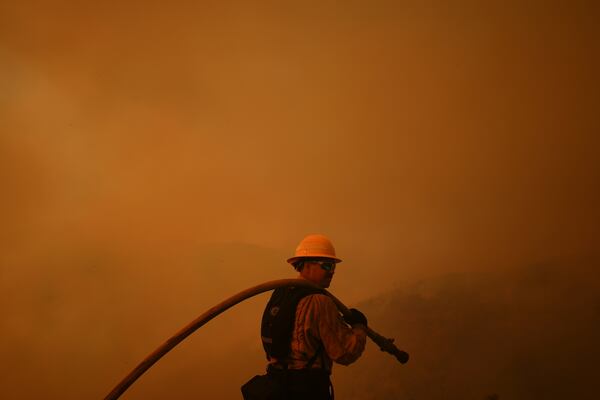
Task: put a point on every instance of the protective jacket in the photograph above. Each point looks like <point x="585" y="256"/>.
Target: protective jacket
<point x="318" y="324"/>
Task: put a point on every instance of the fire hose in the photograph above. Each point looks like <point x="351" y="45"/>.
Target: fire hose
<point x="384" y="343"/>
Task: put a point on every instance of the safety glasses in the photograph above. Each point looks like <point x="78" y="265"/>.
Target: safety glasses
<point x="328" y="266"/>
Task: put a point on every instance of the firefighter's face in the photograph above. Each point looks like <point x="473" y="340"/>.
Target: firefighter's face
<point x="318" y="272"/>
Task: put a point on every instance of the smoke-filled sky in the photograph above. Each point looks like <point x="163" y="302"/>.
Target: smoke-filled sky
<point x="165" y="156"/>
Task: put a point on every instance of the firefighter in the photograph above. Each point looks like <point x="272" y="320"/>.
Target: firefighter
<point x="303" y="332"/>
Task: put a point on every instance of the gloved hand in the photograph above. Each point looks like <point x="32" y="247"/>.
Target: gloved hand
<point x="356" y="317"/>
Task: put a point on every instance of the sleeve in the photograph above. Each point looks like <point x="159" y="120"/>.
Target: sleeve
<point x="343" y="344"/>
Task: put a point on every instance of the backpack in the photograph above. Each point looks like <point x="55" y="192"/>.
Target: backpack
<point x="279" y="318"/>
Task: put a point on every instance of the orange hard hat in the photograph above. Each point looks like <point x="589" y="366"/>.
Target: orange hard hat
<point x="314" y="246"/>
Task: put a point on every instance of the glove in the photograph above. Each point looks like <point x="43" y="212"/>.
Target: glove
<point x="356" y="317"/>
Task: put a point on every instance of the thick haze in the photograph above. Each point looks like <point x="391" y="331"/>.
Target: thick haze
<point x="155" y="159"/>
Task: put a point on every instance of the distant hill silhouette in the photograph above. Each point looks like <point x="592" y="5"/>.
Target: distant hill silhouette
<point x="529" y="333"/>
<point x="526" y="334"/>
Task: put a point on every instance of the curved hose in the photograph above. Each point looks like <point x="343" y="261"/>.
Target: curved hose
<point x="384" y="343"/>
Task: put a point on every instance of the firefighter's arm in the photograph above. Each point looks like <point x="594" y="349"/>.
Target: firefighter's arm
<point x="343" y="344"/>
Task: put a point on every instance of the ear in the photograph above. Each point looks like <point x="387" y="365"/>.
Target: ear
<point x="298" y="265"/>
